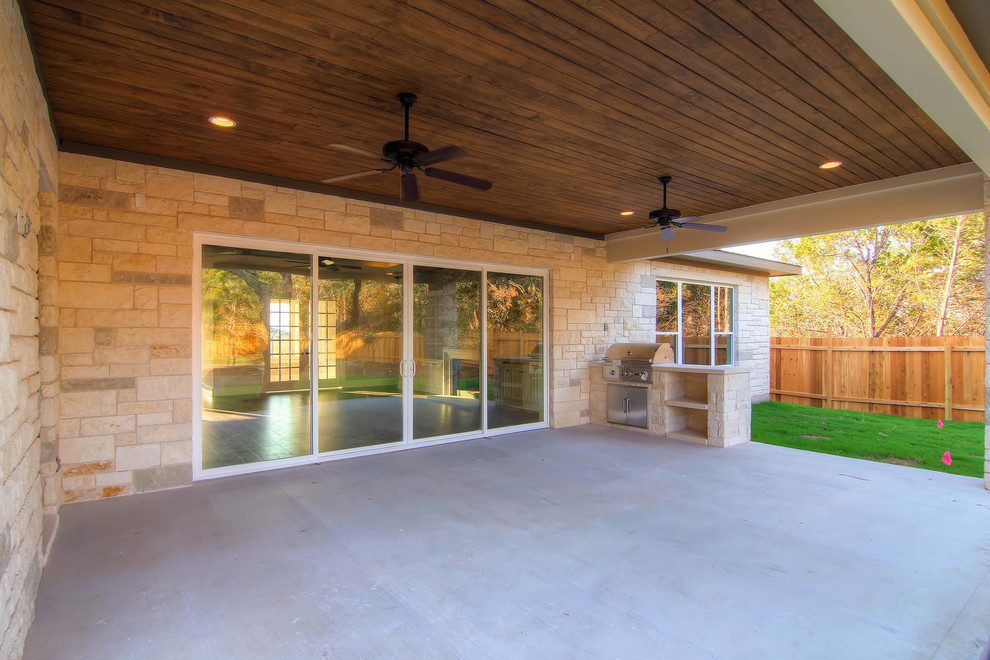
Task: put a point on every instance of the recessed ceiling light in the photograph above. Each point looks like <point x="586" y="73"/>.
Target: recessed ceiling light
<point x="224" y="122"/>
<point x="626" y="212"/>
<point x="830" y="165"/>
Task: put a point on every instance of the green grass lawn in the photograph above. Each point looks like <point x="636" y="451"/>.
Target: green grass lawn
<point x="915" y="442"/>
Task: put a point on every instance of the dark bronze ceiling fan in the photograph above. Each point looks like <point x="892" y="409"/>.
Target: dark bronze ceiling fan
<point x="408" y="157"/>
<point x="666" y="219"/>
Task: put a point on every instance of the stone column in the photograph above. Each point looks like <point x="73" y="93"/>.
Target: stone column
<point x="986" y="378"/>
<point x="50" y="366"/>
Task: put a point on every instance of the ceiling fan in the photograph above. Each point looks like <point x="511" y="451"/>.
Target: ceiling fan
<point x="667" y="219"/>
<point x="408" y="157"/>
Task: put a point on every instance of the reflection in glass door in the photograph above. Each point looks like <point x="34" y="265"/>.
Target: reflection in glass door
<point x="515" y="349"/>
<point x="306" y="352"/>
<point x="256" y="356"/>
<point x="446" y="351"/>
<point x="360" y="346"/>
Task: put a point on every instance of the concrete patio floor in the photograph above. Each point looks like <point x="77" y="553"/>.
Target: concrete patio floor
<point x="584" y="542"/>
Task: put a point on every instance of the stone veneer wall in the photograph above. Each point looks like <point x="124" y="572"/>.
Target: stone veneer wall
<point x="986" y="377"/>
<point x="125" y="260"/>
<point x="27" y="147"/>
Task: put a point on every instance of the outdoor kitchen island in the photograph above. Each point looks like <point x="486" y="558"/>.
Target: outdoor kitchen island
<point x="703" y="404"/>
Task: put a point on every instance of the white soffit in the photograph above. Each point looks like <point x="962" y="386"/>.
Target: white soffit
<point x="742" y="262"/>
<point x="947" y="191"/>
<point x="924" y="49"/>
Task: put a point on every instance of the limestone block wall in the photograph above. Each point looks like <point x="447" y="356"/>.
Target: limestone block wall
<point x="125" y="260"/>
<point x="27" y="159"/>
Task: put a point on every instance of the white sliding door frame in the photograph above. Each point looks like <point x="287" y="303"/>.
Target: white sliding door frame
<point x="408" y="262"/>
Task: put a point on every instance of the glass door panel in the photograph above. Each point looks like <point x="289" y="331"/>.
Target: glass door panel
<point x="256" y="356"/>
<point x="515" y="349"/>
<point x="446" y="351"/>
<point x="359" y="336"/>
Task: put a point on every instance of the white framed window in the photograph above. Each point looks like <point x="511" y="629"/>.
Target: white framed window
<point x="697" y="320"/>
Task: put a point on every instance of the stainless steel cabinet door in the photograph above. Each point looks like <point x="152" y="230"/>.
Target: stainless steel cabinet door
<point x="636" y="414"/>
<point x="627" y="405"/>
<point x="617" y="404"/>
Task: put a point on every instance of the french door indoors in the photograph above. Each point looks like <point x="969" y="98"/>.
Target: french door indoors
<point x="313" y="354"/>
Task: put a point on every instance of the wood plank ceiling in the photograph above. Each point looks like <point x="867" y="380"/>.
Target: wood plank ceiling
<point x="571" y="108"/>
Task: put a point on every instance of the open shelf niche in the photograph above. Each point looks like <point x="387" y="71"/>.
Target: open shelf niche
<point x="709" y="405"/>
<point x="686" y="399"/>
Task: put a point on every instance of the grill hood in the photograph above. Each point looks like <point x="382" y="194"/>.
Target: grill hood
<point x="657" y="353"/>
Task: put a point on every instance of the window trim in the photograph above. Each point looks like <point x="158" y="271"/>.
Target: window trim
<point x="714" y="334"/>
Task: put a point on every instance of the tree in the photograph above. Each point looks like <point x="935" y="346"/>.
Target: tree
<point x="922" y="278"/>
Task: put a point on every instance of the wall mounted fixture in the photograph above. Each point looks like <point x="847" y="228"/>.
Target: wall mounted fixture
<point x="23" y="223"/>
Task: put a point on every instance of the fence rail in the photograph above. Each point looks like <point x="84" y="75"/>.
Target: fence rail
<point x="926" y="377"/>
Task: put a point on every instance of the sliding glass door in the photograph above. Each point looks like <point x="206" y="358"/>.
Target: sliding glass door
<point x="446" y="351"/>
<point x="360" y="349"/>
<point x="515" y="349"/>
<point x="256" y="393"/>
<point x="309" y="354"/>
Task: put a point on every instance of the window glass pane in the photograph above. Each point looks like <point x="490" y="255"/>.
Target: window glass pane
<point x="723" y="309"/>
<point x="666" y="306"/>
<point x="515" y="349"/>
<point x="723" y="349"/>
<point x="256" y="361"/>
<point x="360" y="342"/>
<point x="447" y="351"/>
<point x="668" y="339"/>
<point x="696" y="322"/>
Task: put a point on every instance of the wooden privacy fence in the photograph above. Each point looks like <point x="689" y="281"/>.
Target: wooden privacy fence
<point x="924" y="377"/>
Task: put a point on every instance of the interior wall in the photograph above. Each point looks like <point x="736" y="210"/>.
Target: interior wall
<point x="125" y="263"/>
<point x="27" y="145"/>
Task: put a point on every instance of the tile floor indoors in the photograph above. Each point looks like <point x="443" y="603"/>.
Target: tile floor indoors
<point x="584" y="542"/>
<point x="273" y="426"/>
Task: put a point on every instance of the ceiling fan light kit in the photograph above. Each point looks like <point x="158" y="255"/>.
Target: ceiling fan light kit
<point x="666" y="219"/>
<point x="409" y="157"/>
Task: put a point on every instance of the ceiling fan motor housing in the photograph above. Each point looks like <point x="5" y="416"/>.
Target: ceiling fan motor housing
<point x="404" y="153"/>
<point x="664" y="215"/>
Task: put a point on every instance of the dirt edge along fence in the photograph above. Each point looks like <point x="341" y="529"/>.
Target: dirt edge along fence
<point x="904" y="376"/>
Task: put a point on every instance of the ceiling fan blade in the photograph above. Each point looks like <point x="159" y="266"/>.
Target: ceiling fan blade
<point x="462" y="179"/>
<point x="667" y="233"/>
<point x="358" y="151"/>
<point x="348" y="177"/>
<point x="442" y="154"/>
<point x="698" y="225"/>
<point x="410" y="188"/>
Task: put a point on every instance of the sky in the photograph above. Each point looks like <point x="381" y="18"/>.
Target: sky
<point x="761" y="250"/>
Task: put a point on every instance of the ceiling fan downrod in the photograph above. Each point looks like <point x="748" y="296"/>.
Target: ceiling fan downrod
<point x="407" y="99"/>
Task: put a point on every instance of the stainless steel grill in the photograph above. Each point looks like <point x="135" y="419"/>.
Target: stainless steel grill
<point x="633" y="362"/>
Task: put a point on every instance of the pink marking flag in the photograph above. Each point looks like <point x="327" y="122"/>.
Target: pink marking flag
<point x="940" y="424"/>
<point x="946" y="458"/>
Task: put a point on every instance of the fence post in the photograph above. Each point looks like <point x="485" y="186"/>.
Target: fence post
<point x="828" y="369"/>
<point x="948" y="382"/>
